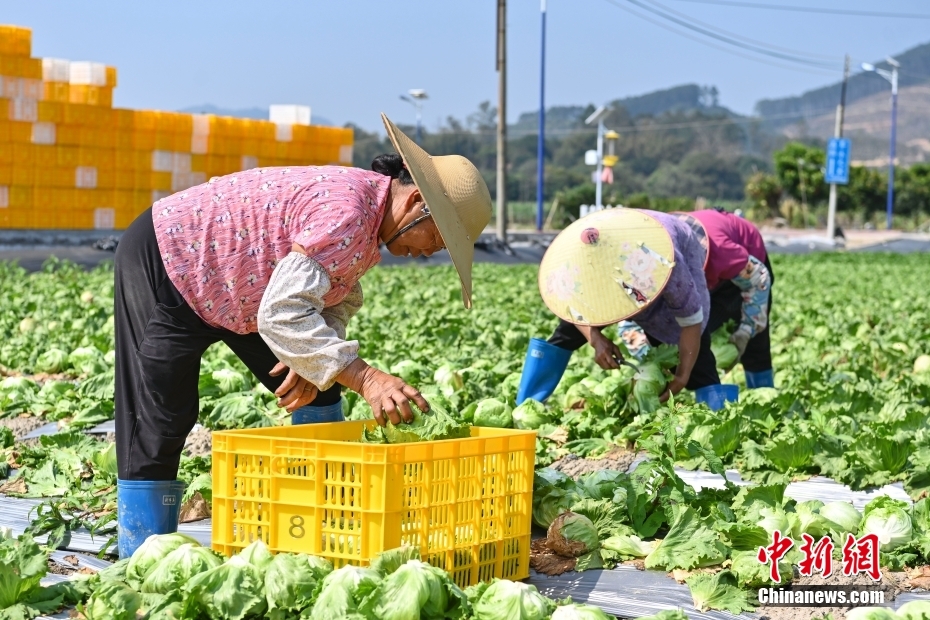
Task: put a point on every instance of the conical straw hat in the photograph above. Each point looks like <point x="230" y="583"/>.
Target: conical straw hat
<point x="606" y="267"/>
<point x="458" y="199"/>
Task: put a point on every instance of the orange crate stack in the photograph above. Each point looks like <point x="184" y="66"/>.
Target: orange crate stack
<point x="68" y="159"/>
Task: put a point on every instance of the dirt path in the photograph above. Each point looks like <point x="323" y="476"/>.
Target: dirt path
<point x="618" y="459"/>
<point x="22" y="426"/>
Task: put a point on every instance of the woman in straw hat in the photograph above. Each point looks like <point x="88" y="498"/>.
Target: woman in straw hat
<point x="268" y="261"/>
<point x="739" y="278"/>
<point x="625" y="264"/>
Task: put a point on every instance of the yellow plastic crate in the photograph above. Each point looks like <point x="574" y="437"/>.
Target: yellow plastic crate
<point x="466" y="503"/>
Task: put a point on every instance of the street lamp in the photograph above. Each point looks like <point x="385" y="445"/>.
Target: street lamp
<point x="598" y="117"/>
<point x="891" y="76"/>
<point x="417" y="95"/>
<point x="541" y="138"/>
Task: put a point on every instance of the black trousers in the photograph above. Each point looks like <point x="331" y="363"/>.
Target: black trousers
<point x="703" y="374"/>
<point x="726" y="304"/>
<point x="159" y="343"/>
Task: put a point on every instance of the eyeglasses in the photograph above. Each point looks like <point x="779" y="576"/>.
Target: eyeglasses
<point x="425" y="216"/>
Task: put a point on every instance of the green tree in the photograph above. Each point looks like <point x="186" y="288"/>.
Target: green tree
<point x="865" y="193"/>
<point x="765" y="191"/>
<point x="912" y="190"/>
<point x="799" y="168"/>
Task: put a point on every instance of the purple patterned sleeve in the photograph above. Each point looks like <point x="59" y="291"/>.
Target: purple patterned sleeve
<point x="681" y="293"/>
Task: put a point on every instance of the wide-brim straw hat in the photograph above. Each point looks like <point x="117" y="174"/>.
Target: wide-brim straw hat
<point x="606" y="267"/>
<point x="458" y="199"/>
<point x="698" y="230"/>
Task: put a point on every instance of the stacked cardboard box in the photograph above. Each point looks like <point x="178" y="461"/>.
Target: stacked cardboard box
<point x="70" y="160"/>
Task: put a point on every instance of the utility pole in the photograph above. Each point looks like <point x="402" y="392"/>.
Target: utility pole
<point x="502" y="121"/>
<point x="837" y="133"/>
<point x="541" y="141"/>
<point x="894" y="126"/>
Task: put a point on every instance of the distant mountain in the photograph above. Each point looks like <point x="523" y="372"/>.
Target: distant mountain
<point x="256" y="113"/>
<point x="867" y="122"/>
<point x="557" y="118"/>
<point x="778" y="113"/>
<point x="684" y="98"/>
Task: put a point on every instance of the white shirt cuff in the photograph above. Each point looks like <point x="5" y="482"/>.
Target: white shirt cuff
<point x="694" y="319"/>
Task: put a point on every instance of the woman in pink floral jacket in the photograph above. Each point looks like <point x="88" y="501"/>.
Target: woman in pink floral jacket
<point x="268" y="261"/>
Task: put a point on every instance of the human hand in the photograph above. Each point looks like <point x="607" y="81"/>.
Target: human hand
<point x="390" y="396"/>
<point x="295" y="391"/>
<point x="676" y="385"/>
<point x="606" y="353"/>
<point x="740" y="339"/>
<point x="384" y="393"/>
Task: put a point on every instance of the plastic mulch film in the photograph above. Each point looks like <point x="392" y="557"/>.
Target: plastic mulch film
<point x="15" y="514"/>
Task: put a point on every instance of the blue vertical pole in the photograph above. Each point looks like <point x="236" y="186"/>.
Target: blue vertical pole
<point x="541" y="140"/>
<point x="894" y="122"/>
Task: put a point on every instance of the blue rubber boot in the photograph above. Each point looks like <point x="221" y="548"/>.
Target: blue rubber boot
<point x="543" y="369"/>
<point x="765" y="378"/>
<point x="144" y="508"/>
<point x="313" y="415"/>
<point x="716" y="396"/>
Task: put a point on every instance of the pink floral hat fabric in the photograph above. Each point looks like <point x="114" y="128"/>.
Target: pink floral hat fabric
<point x="606" y="267"/>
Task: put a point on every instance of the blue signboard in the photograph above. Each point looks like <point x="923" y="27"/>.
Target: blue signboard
<point x="837" y="161"/>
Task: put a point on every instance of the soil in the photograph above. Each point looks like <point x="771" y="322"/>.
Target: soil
<point x="195" y="509"/>
<point x="618" y="459"/>
<point x="891" y="582"/>
<point x="544" y="561"/>
<point x="60" y="569"/>
<point x="22" y="426"/>
<point x="199" y="442"/>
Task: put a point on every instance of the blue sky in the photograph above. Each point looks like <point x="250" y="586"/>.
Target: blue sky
<point x="351" y="59"/>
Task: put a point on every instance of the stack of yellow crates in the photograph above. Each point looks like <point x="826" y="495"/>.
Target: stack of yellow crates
<point x="70" y="160"/>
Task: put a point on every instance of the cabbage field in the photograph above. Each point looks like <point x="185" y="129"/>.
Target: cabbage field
<point x="851" y="347"/>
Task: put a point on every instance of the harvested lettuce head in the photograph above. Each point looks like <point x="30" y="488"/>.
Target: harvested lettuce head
<point x="151" y="552"/>
<point x="390" y="560"/>
<point x="343" y="591"/>
<point x="531" y="414"/>
<point x="432" y="426"/>
<point x="512" y="600"/>
<point x="890" y="521"/>
<point x="416" y="590"/>
<point x="494" y="413"/>
<point x="179" y="567"/>
<point x="572" y="535"/>
<point x="841" y="517"/>
<point x="291" y="583"/>
<point x="232" y="591"/>
<point x="112" y="601"/>
<point x="52" y="361"/>
<point x="258" y="555"/>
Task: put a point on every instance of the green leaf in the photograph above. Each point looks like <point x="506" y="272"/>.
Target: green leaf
<point x="690" y="543"/>
<point x="719" y="591"/>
